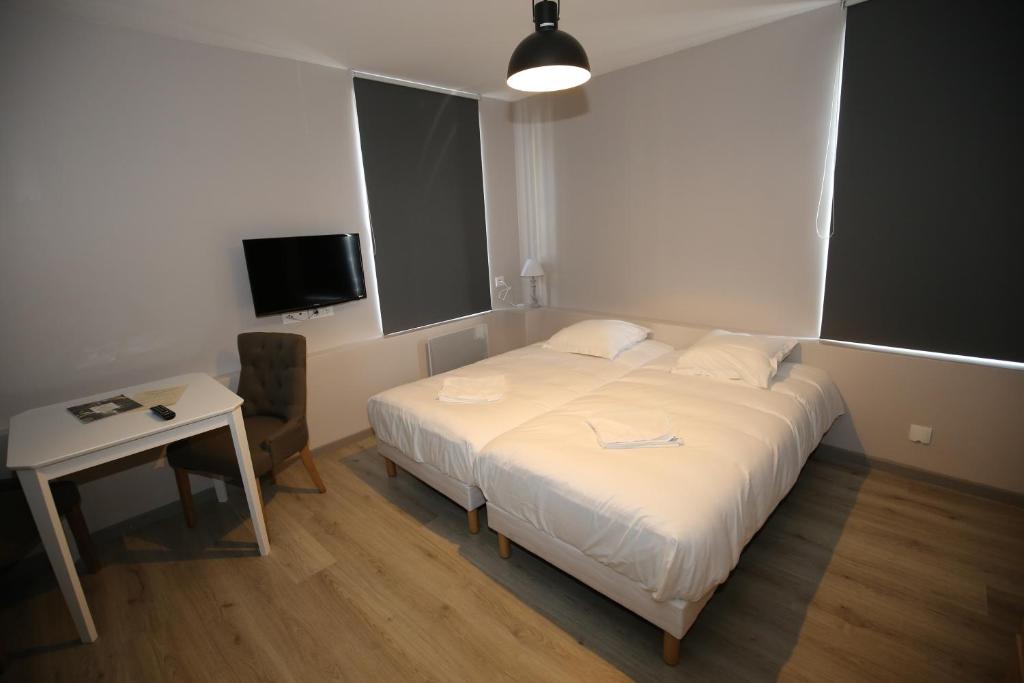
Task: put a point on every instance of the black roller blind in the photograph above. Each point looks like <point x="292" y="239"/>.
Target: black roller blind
<point x="424" y="183"/>
<point x="927" y="249"/>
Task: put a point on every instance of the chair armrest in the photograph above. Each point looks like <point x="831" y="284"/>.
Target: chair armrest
<point x="290" y="438"/>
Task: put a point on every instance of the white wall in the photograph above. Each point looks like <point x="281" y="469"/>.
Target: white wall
<point x="687" y="188"/>
<point x="498" y="149"/>
<point x="131" y="167"/>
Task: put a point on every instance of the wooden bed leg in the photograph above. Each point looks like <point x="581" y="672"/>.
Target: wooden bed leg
<point x="670" y="649"/>
<point x="473" y="518"/>
<point x="504" y="547"/>
<point x="390" y="466"/>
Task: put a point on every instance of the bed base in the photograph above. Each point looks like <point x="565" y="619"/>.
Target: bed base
<point x="468" y="496"/>
<point x="674" y="617"/>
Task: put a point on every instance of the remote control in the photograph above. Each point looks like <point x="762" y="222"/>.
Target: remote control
<point x="164" y="412"/>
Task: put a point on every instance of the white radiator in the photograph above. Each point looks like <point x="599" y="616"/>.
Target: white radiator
<point x="450" y="351"/>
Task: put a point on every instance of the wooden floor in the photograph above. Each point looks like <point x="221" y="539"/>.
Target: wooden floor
<point x="858" y="576"/>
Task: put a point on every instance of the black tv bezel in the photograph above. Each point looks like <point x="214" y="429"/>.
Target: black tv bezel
<point x="249" y="273"/>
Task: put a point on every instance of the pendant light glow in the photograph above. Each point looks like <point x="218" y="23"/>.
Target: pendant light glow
<point x="549" y="78"/>
<point x="548" y="59"/>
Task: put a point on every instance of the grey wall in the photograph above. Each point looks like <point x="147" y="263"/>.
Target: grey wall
<point x="131" y="167"/>
<point x="687" y="188"/>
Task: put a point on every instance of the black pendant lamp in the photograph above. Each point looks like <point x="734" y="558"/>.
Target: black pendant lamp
<point x="548" y="59"/>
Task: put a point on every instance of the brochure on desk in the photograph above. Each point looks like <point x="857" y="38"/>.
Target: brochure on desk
<point x="105" y="407"/>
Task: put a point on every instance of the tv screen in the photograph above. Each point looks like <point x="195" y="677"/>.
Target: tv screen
<point x="298" y="273"/>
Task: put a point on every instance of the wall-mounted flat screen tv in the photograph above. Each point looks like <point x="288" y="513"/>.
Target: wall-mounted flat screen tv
<point x="298" y="273"/>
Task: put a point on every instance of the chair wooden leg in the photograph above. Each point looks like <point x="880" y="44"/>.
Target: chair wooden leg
<point x="314" y="473"/>
<point x="504" y="547"/>
<point x="473" y="518"/>
<point x="80" y="530"/>
<point x="185" y="494"/>
<point x="389" y="465"/>
<point x="670" y="649"/>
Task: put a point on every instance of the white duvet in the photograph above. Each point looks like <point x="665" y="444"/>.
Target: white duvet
<point x="672" y="519"/>
<point x="449" y="436"/>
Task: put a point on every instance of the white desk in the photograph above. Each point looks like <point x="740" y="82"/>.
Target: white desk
<point x="50" y="442"/>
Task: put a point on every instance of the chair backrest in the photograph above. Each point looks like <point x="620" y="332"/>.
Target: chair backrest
<point x="273" y="376"/>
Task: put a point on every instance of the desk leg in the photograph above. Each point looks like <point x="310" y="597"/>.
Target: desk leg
<point x="40" y="501"/>
<point x="252" y="490"/>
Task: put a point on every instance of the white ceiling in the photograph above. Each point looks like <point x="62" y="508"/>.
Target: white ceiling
<point x="463" y="45"/>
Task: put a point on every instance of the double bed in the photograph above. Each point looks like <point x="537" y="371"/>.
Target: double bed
<point x="655" y="529"/>
<point x="438" y="442"/>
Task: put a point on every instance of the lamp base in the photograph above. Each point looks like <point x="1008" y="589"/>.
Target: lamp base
<point x="534" y="300"/>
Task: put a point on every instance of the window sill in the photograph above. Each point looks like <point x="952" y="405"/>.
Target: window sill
<point x="934" y="355"/>
<point x="437" y="324"/>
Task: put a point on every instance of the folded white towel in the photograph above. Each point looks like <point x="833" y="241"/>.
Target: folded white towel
<point x="633" y="429"/>
<point x="479" y="389"/>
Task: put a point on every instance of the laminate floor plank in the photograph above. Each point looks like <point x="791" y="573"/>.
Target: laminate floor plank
<point x="859" y="575"/>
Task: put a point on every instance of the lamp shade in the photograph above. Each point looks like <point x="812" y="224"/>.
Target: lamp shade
<point x="548" y="59"/>
<point x="531" y="269"/>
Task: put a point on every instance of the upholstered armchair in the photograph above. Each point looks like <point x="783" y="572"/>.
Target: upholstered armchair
<point x="272" y="384"/>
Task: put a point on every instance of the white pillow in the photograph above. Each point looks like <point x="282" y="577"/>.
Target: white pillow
<point x="726" y="355"/>
<point x="602" y="338"/>
<point x="644" y="353"/>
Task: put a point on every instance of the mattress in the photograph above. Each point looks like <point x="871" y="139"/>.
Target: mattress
<point x="448" y="436"/>
<point x="675" y="519"/>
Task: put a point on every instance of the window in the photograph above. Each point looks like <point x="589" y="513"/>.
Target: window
<point x="928" y="244"/>
<point x="424" y="185"/>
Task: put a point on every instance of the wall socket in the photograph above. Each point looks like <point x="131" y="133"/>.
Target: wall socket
<point x="920" y="434"/>
<point x="311" y="314"/>
<point x="322" y="312"/>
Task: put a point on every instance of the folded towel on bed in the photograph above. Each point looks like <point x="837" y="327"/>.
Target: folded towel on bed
<point x="633" y="429"/>
<point x="480" y="389"/>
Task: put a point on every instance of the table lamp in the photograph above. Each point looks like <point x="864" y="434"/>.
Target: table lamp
<point x="532" y="270"/>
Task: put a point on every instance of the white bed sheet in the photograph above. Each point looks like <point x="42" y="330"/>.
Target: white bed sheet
<point x="449" y="436"/>
<point x="672" y="519"/>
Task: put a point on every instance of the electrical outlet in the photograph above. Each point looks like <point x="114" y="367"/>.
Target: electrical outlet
<point x="500" y="282"/>
<point x="920" y="434"/>
<point x="322" y="312"/>
<point x="311" y="314"/>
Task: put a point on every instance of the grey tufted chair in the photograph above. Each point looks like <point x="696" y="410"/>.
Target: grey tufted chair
<point x="272" y="384"/>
